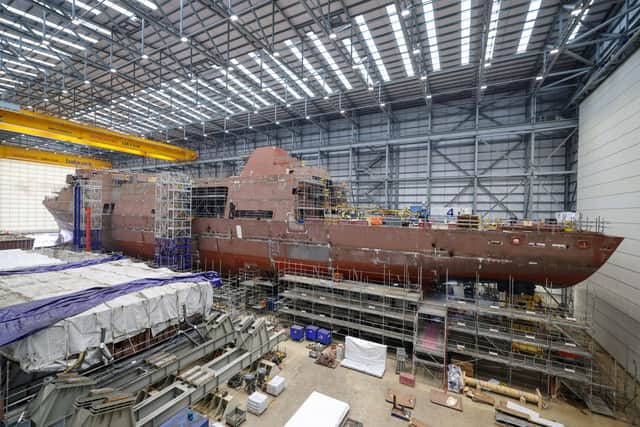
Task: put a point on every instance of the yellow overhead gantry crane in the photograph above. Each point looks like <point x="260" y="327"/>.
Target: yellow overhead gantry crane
<point x="50" y="158"/>
<point x="42" y="125"/>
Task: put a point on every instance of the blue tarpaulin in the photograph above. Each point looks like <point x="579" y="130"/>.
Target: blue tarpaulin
<point x="60" y="267"/>
<point x="21" y="320"/>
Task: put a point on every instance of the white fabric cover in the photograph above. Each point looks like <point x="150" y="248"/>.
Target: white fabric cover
<point x="319" y="410"/>
<point x="154" y="308"/>
<point x="365" y="356"/>
<point x="11" y="259"/>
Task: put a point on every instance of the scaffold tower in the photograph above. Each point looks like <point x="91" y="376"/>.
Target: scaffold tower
<point x="172" y="222"/>
<point x="87" y="213"/>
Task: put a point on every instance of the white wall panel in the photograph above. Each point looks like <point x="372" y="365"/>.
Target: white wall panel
<point x="23" y="187"/>
<point x="609" y="186"/>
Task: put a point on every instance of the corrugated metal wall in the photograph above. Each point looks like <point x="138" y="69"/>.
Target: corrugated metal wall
<point x="609" y="186"/>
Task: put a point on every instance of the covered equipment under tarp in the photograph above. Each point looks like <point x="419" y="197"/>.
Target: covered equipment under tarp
<point x="365" y="356"/>
<point x="319" y="410"/>
<point x="50" y="319"/>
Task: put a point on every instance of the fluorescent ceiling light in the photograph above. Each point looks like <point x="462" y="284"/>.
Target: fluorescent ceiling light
<point x="430" y="23"/>
<point x="7" y="85"/>
<point x="49" y="23"/>
<point x="184" y="39"/>
<point x="234" y="17"/>
<point x="329" y="59"/>
<point x="493" y="30"/>
<point x="400" y="40"/>
<point x="373" y="50"/>
<point x="296" y="52"/>
<point x="355" y="59"/>
<point x="465" y="30"/>
<point x="530" y="22"/>
<point x="273" y="75"/>
<point x="293" y="77"/>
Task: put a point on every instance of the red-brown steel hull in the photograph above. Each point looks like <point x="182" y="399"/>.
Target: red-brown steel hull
<point x="535" y="254"/>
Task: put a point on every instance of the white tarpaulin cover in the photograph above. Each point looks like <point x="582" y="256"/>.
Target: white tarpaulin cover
<point x="365" y="356"/>
<point x="319" y="410"/>
<point x="17" y="258"/>
<point x="155" y="308"/>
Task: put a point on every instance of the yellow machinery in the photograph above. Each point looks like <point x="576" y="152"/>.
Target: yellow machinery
<point x="42" y="125"/>
<point x="51" y="158"/>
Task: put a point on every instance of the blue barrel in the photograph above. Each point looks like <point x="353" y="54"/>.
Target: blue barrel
<point x="324" y="336"/>
<point x="296" y="333"/>
<point x="312" y="333"/>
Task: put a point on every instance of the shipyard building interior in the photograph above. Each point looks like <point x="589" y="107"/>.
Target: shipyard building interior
<point x="319" y="213"/>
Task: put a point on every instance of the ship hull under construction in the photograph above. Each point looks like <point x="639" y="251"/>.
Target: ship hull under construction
<point x="275" y="232"/>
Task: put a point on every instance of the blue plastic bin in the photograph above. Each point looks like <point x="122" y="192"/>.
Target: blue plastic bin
<point x="324" y="336"/>
<point x="312" y="332"/>
<point x="296" y="333"/>
<point x="186" y="418"/>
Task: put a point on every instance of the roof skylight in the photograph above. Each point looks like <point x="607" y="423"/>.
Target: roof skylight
<point x="493" y="31"/>
<point x="430" y="23"/>
<point x="530" y="22"/>
<point x="39" y="33"/>
<point x="234" y="90"/>
<point x="273" y="75"/>
<point x="329" y="59"/>
<point x="357" y="62"/>
<point x="373" y="50"/>
<point x="292" y="76"/>
<point x="217" y="104"/>
<point x="246" y="88"/>
<point x="576" y="29"/>
<point x="465" y="31"/>
<point x="48" y="23"/>
<point x="85" y="6"/>
<point x="296" y="52"/>
<point x="400" y="40"/>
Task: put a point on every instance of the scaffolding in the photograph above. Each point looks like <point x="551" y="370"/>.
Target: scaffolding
<point x="172" y="221"/>
<point x="518" y="339"/>
<point x="378" y="311"/>
<point x="87" y="213"/>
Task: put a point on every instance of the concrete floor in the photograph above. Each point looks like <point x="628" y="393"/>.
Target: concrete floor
<point x="365" y="394"/>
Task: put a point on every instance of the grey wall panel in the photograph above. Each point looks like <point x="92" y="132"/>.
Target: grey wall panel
<point x="406" y="178"/>
<point x="609" y="186"/>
